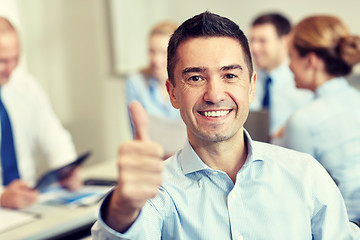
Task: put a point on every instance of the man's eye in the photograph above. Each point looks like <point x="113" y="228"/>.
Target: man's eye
<point x="195" y="78"/>
<point x="229" y="76"/>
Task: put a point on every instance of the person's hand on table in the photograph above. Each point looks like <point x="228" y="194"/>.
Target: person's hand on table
<point x="18" y="195"/>
<point x="73" y="181"/>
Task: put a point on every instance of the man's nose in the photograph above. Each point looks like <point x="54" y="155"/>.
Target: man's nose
<point x="215" y="90"/>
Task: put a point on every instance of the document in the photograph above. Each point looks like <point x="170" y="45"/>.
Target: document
<point x="14" y="218"/>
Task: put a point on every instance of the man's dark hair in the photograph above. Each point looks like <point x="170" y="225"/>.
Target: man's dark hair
<point x="205" y="24"/>
<point x="280" y="22"/>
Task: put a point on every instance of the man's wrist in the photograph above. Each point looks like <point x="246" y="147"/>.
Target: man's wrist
<point x="117" y="217"/>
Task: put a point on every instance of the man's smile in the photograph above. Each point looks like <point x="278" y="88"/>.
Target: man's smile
<point x="214" y="113"/>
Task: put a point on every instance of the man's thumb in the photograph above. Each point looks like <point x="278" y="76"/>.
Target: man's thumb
<point x="140" y="120"/>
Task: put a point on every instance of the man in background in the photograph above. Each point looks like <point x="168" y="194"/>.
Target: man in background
<point x="275" y="87"/>
<point x="27" y="122"/>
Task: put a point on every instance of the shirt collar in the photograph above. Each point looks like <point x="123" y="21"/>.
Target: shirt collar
<point x="331" y="86"/>
<point x="190" y="162"/>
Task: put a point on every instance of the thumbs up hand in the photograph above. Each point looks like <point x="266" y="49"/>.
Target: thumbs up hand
<point x="140" y="168"/>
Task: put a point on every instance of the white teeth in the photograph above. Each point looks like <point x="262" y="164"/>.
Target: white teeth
<point x="216" y="113"/>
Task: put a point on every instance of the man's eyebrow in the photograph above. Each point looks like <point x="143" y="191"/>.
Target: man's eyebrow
<point x="193" y="70"/>
<point x="231" y="67"/>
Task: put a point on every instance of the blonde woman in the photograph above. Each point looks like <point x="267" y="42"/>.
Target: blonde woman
<point x="148" y="86"/>
<point x="322" y="53"/>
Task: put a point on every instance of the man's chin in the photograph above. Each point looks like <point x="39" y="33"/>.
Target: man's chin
<point x="215" y="137"/>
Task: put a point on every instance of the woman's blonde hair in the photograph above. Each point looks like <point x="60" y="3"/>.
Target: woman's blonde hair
<point x="164" y="28"/>
<point x="330" y="39"/>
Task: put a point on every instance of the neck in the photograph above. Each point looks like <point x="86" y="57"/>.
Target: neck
<point x="227" y="156"/>
<point x="320" y="79"/>
<point x="280" y="62"/>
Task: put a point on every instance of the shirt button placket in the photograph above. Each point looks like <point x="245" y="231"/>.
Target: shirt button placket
<point x="234" y="219"/>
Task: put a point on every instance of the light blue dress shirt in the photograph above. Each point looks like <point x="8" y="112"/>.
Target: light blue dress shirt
<point x="285" y="98"/>
<point x="329" y="130"/>
<point x="148" y="93"/>
<point x="278" y="194"/>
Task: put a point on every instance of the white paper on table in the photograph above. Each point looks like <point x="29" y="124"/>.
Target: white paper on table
<point x="10" y="218"/>
<point x="169" y="133"/>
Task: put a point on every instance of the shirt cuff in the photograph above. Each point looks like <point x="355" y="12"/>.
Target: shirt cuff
<point x="103" y="231"/>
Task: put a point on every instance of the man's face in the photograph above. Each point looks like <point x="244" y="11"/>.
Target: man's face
<point x="212" y="88"/>
<point x="158" y="52"/>
<point x="267" y="48"/>
<point x="9" y="55"/>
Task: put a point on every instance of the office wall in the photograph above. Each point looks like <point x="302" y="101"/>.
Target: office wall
<point x="130" y="18"/>
<point x="68" y="48"/>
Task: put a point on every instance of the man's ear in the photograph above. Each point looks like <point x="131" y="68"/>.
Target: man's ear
<point x="252" y="87"/>
<point x="171" y="91"/>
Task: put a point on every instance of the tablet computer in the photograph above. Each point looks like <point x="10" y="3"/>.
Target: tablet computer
<point x="60" y="173"/>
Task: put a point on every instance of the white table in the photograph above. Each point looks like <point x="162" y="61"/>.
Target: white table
<point x="57" y="221"/>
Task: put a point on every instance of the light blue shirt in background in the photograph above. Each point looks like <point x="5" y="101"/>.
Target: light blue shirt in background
<point x="329" y="130"/>
<point x="278" y="194"/>
<point x="148" y="93"/>
<point x="285" y="98"/>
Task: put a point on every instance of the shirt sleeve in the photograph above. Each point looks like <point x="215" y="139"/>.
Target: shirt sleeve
<point x="133" y="87"/>
<point x="147" y="226"/>
<point x="329" y="220"/>
<point x="54" y="140"/>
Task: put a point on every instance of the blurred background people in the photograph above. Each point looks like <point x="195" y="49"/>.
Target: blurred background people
<point x="322" y="52"/>
<point x="148" y="86"/>
<point x="275" y="86"/>
<point x="27" y="122"/>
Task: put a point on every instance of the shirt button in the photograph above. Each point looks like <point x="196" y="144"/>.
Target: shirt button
<point x="215" y="173"/>
<point x="240" y="238"/>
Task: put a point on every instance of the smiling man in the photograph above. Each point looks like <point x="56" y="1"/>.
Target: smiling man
<point x="221" y="185"/>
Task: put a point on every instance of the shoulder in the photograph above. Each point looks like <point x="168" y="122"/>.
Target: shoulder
<point x="136" y="79"/>
<point x="136" y="86"/>
<point x="312" y="112"/>
<point x="302" y="118"/>
<point x="293" y="162"/>
<point x="302" y="171"/>
<point x="278" y="153"/>
<point x="25" y="85"/>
